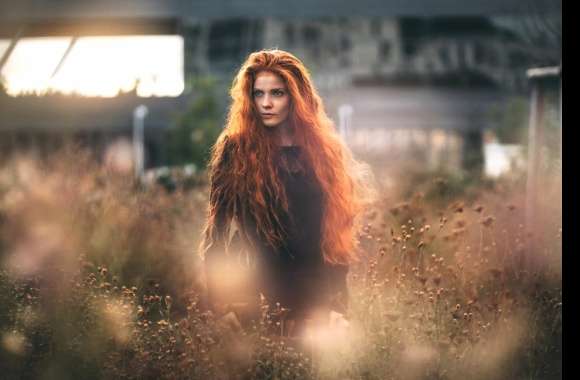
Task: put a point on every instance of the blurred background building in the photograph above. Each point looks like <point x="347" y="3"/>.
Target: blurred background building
<point x="418" y="78"/>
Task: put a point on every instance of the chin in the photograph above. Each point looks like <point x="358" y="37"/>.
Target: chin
<point x="270" y="124"/>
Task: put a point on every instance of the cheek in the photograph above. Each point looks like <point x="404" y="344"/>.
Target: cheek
<point x="285" y="106"/>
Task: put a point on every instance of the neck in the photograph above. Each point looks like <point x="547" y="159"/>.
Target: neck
<point x="284" y="135"/>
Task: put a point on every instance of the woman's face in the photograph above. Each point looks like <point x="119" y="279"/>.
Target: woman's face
<point x="271" y="98"/>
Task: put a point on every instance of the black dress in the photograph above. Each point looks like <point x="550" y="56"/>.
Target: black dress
<point x="295" y="274"/>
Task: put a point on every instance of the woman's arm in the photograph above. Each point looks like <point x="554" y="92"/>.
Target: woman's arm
<point x="215" y="259"/>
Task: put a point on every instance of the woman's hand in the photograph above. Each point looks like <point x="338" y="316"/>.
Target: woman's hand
<point x="338" y="321"/>
<point x="228" y="314"/>
<point x="230" y="321"/>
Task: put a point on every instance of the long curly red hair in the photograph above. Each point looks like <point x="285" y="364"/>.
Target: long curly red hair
<point x="251" y="170"/>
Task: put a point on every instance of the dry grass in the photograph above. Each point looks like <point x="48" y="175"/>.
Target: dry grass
<point x="99" y="279"/>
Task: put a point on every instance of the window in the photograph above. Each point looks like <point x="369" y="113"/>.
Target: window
<point x="226" y="40"/>
<point x="290" y="35"/>
<point x="312" y="36"/>
<point x="376" y="27"/>
<point x="444" y="56"/>
<point x="95" y="66"/>
<point x="384" y="50"/>
<point x="345" y="43"/>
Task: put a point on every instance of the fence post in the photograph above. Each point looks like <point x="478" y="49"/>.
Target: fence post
<point x="139" y="115"/>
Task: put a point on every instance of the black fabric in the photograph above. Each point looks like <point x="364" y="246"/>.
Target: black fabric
<point x="294" y="274"/>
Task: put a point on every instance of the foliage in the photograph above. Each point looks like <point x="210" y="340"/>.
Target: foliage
<point x="194" y="132"/>
<point x="511" y="120"/>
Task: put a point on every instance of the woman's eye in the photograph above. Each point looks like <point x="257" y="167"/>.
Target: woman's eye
<point x="258" y="93"/>
<point x="278" y="93"/>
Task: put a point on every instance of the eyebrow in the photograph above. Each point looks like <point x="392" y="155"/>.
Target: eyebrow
<point x="272" y="89"/>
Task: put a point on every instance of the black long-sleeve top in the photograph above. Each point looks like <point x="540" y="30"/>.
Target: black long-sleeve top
<point x="295" y="273"/>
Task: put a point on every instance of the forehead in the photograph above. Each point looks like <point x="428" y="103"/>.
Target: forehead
<point x="267" y="79"/>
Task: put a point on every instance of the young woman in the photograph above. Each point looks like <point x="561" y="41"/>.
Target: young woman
<point x="286" y="188"/>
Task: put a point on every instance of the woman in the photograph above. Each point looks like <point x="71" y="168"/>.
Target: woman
<point x="285" y="191"/>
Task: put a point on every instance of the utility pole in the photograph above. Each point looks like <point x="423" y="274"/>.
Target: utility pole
<point x="139" y="115"/>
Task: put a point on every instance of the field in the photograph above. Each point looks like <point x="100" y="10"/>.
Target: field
<point x="100" y="279"/>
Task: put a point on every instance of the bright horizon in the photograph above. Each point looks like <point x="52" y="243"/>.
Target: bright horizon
<point x="96" y="66"/>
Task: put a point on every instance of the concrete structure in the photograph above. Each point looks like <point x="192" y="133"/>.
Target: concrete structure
<point x="392" y="62"/>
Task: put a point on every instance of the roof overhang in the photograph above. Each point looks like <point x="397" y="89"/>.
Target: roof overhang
<point x="30" y="10"/>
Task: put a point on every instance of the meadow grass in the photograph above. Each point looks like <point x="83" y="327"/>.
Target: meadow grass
<point x="99" y="278"/>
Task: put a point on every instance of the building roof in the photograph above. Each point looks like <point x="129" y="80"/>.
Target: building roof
<point x="216" y="9"/>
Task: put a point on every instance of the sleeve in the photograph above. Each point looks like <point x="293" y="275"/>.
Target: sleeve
<point x="338" y="291"/>
<point x="215" y="258"/>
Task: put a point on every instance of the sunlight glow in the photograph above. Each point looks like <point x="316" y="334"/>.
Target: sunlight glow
<point x="96" y="66"/>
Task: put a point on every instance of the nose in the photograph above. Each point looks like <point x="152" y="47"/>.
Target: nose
<point x="266" y="101"/>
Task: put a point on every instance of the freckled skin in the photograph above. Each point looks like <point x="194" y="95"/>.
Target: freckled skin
<point x="271" y="97"/>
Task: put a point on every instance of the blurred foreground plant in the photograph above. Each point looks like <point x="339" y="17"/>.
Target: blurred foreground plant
<point x="98" y="280"/>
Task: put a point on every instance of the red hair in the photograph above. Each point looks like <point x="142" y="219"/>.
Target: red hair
<point x="252" y="172"/>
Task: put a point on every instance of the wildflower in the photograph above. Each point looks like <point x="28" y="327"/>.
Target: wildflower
<point x="439" y="181"/>
<point x="457" y="207"/>
<point x="392" y="316"/>
<point x="488" y="221"/>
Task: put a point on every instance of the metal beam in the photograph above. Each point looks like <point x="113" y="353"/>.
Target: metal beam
<point x="48" y="27"/>
<point x="11" y="47"/>
<point x="71" y="45"/>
